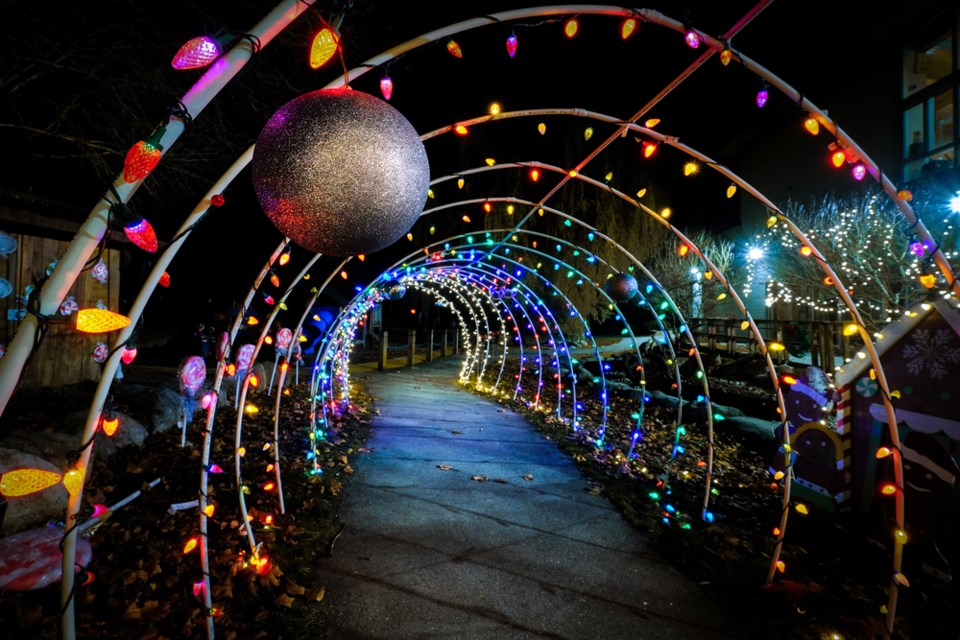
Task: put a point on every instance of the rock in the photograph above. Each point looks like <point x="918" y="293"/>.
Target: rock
<point x="160" y="403"/>
<point x="35" y="509"/>
<point x="752" y="427"/>
<point x="661" y="399"/>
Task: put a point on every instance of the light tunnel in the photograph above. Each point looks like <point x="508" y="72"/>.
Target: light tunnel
<point x="490" y="292"/>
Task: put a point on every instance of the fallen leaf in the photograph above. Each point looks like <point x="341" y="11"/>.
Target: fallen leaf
<point x="500" y="480"/>
<point x="456" y="432"/>
<point x="444" y="467"/>
<point x="284" y="600"/>
<point x="479" y="478"/>
<point x="348" y="469"/>
<point x="365" y="450"/>
<point x="528" y="477"/>
<point x="317" y="596"/>
<point x="293" y="589"/>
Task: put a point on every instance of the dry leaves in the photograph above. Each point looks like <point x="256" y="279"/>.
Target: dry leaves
<point x="444" y="467"/>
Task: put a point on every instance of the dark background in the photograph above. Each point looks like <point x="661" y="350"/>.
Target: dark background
<point x="83" y="81"/>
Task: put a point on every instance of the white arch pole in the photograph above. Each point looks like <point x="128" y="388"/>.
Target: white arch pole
<point x="91" y="231"/>
<point x="75" y="501"/>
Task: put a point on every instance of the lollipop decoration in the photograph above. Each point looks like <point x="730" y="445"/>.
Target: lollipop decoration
<point x="242" y="364"/>
<point x="284" y="338"/>
<point x="193" y="371"/>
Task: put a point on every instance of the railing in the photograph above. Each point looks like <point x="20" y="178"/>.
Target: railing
<point x="825" y="342"/>
<point x="433" y="341"/>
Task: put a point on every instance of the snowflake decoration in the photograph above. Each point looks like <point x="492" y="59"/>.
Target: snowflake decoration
<point x="932" y="352"/>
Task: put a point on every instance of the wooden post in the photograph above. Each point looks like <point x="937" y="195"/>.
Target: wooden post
<point x="382" y="359"/>
<point x="430" y="345"/>
<point x="443" y="345"/>
<point x="731" y="337"/>
<point x="814" y="355"/>
<point x="411" y="346"/>
<point x="456" y="342"/>
<point x="711" y="335"/>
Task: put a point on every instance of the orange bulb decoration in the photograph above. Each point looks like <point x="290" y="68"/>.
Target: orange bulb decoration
<point x="454" y="49"/>
<point x="110" y="426"/>
<point x="628" y="27"/>
<point x="571" y="27"/>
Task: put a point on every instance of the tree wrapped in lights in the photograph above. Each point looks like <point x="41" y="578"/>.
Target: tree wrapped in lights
<point x="868" y="244"/>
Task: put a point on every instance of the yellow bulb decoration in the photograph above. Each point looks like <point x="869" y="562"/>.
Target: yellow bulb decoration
<point x="775" y="346"/>
<point x="666" y="213"/>
<point x="430" y="194"/>
<point x="460" y="183"/>
<point x="651" y="123"/>
<point x="900" y="536"/>
<point x="100" y="321"/>
<point x="905" y="195"/>
<point x="883" y="452"/>
<point x="628" y="27"/>
<point x="722" y="296"/>
<point x="691" y="168"/>
<point x="571" y="27"/>
<point x="542" y="128"/>
<point x="928" y="280"/>
<point x="410" y="237"/>
<point x="73" y="481"/>
<point x="588" y="133"/>
<point x="208" y="510"/>
<point x="771" y="221"/>
<point x="744" y="325"/>
<point x="781" y="566"/>
<point x="461" y="130"/>
<point x="850" y="329"/>
<point x="490" y="162"/>
<point x="21" y="482"/>
<point x="609" y="176"/>
<point x="494" y="108"/>
<point x="641" y="193"/>
<point x="731" y="190"/>
<point x="510" y="209"/>
<point x="812" y="126"/>
<point x="323" y="48"/>
<point x="190" y="545"/>
<point x="802" y="509"/>
<point x="725" y="57"/>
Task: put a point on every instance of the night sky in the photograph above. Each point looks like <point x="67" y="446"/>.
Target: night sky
<point x="119" y="92"/>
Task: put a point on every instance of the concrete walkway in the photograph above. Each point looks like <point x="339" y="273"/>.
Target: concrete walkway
<point x="464" y="522"/>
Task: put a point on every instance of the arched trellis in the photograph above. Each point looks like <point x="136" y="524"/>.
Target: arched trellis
<point x="715" y="45"/>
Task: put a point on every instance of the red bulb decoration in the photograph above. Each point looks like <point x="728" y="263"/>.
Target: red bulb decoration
<point x="141" y="233"/>
<point x="141" y="159"/>
<point x="164" y="279"/>
<point x="511" y="45"/>
<point x="454" y="49"/>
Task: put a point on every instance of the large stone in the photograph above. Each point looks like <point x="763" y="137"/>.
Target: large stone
<point x="158" y="404"/>
<point x="25" y="512"/>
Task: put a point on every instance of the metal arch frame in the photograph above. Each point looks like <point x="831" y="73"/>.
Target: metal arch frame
<point x="715" y="45"/>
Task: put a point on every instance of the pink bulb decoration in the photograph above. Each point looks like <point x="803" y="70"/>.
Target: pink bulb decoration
<point x="511" y="45"/>
<point x="762" y="96"/>
<point x="128" y="355"/>
<point x="206" y="401"/>
<point x="918" y="248"/>
<point x="859" y="171"/>
<point x="197" y="53"/>
<point x="692" y="38"/>
<point x="98" y="510"/>
<point x="386" y="87"/>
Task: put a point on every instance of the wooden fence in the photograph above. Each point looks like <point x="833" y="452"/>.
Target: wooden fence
<point x="64" y="356"/>
<point x="825" y="342"/>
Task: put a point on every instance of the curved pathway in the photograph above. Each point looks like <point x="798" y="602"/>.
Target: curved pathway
<point x="464" y="522"/>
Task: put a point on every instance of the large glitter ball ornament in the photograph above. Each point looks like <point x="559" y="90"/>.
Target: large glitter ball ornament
<point x="621" y="287"/>
<point x="394" y="290"/>
<point x="340" y="172"/>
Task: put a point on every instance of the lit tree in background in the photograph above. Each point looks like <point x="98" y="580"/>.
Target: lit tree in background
<point x="868" y="244"/>
<point x="695" y="289"/>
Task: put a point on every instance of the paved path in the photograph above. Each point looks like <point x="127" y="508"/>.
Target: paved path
<point x="432" y="553"/>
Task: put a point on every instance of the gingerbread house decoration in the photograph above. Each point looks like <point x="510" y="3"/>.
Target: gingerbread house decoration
<point x="920" y="354"/>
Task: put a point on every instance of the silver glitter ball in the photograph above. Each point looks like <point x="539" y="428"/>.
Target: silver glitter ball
<point x="340" y="172"/>
<point x="395" y="290"/>
<point x="621" y="287"/>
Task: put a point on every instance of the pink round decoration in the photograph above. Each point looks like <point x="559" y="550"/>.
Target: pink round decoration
<point x="100" y="272"/>
<point x="244" y="356"/>
<point x="223" y="345"/>
<point x="68" y="306"/>
<point x="284" y="336"/>
<point x="31" y="559"/>
<point x="193" y="371"/>
<point x="100" y="352"/>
